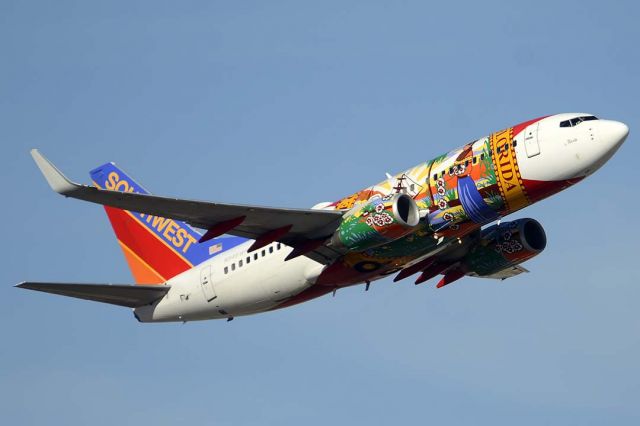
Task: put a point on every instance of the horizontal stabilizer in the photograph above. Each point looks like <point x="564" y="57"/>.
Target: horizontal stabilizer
<point x="131" y="296"/>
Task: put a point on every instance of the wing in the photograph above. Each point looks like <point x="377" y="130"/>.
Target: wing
<point x="131" y="296"/>
<point x="305" y="229"/>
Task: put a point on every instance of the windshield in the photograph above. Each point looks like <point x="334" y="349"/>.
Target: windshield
<point x="575" y="121"/>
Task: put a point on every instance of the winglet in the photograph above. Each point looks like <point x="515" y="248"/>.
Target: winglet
<point x="56" y="180"/>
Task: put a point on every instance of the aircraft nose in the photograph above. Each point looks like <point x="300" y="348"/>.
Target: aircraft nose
<point x="614" y="133"/>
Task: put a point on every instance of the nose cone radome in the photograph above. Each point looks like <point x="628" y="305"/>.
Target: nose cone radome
<point x="613" y="133"/>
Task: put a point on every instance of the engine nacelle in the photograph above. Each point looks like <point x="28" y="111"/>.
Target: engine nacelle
<point x="377" y="222"/>
<point x="505" y="245"/>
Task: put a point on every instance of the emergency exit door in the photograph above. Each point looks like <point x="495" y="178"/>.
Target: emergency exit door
<point x="207" y="284"/>
<point x="531" y="143"/>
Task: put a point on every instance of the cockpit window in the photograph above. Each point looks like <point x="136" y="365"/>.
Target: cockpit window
<point x="575" y="121"/>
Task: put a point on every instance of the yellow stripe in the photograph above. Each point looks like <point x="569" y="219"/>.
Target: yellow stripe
<point x="507" y="171"/>
<point x="422" y="174"/>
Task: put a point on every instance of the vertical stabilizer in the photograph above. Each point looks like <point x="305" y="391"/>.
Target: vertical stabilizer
<point x="155" y="248"/>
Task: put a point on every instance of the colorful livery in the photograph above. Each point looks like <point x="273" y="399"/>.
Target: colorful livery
<point x="433" y="219"/>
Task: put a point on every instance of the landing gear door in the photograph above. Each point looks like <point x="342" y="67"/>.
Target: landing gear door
<point x="207" y="284"/>
<point x="531" y="144"/>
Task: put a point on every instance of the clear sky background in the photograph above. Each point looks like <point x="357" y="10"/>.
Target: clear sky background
<point x="290" y="103"/>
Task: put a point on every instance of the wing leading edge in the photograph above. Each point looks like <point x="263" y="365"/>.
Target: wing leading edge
<point x="295" y="227"/>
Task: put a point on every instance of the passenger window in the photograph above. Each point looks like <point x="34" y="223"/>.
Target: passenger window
<point x="278" y="246"/>
<point x="466" y="163"/>
<point x="271" y="249"/>
<point x="226" y="269"/>
<point x="481" y="157"/>
<point x="263" y="253"/>
<point x="233" y="266"/>
<point x="514" y="144"/>
<point x="255" y="256"/>
<point x="435" y="176"/>
<point x="248" y="260"/>
<point x="240" y="264"/>
<point x="474" y="160"/>
<point x="506" y="146"/>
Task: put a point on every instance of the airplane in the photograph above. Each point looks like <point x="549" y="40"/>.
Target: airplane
<point x="443" y="217"/>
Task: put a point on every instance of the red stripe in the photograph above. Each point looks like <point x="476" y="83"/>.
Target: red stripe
<point x="520" y="127"/>
<point x="142" y="273"/>
<point x="539" y="189"/>
<point x="145" y="244"/>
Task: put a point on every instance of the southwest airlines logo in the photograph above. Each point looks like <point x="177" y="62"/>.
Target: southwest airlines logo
<point x="177" y="235"/>
<point x="171" y="232"/>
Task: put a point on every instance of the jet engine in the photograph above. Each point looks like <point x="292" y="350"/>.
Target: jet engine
<point x="377" y="222"/>
<point x="505" y="245"/>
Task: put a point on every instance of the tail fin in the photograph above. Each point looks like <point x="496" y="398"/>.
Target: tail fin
<point x="155" y="248"/>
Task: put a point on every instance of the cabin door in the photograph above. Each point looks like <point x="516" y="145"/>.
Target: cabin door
<point x="207" y="284"/>
<point x="531" y="143"/>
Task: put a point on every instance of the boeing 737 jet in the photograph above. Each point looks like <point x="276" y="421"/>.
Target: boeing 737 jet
<point x="443" y="217"/>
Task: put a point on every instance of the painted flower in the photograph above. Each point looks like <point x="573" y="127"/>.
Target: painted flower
<point x="379" y="220"/>
<point x="515" y="246"/>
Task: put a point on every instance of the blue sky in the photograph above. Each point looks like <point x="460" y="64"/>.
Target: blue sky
<point x="290" y="104"/>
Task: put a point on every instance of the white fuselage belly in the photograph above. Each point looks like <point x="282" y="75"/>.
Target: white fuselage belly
<point x="246" y="288"/>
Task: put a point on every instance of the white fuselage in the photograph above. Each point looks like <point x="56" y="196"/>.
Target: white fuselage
<point x="233" y="284"/>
